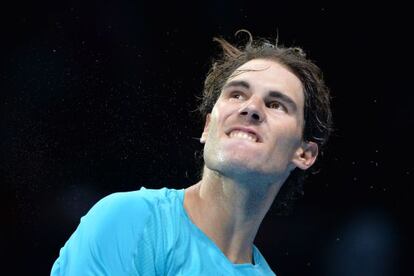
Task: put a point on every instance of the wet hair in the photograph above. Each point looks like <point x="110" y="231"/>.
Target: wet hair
<point x="317" y="110"/>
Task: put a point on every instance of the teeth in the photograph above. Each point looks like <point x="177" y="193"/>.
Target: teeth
<point x="243" y="135"/>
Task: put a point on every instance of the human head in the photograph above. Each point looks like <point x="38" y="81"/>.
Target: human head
<point x="317" y="112"/>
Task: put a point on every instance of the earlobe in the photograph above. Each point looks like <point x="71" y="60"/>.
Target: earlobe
<point x="205" y="131"/>
<point x="306" y="155"/>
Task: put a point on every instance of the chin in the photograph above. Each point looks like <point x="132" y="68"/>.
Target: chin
<point x="233" y="166"/>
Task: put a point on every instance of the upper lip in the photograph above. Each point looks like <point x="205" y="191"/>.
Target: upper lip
<point x="245" y="129"/>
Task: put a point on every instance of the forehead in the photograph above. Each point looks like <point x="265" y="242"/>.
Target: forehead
<point x="270" y="75"/>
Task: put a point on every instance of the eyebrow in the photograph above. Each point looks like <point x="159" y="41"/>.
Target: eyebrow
<point x="245" y="84"/>
<point x="273" y="93"/>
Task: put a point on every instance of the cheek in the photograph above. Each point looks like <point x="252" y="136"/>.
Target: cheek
<point x="216" y="121"/>
<point x="282" y="153"/>
<point x="212" y="135"/>
<point x="223" y="109"/>
<point x="287" y="142"/>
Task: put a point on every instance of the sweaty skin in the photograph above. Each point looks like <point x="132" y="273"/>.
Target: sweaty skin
<point x="253" y="140"/>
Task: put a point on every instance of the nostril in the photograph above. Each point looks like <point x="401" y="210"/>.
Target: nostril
<point x="256" y="116"/>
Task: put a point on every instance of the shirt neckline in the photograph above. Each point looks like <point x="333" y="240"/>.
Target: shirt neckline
<point x="256" y="253"/>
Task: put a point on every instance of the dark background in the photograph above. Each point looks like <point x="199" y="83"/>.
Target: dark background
<point x="98" y="97"/>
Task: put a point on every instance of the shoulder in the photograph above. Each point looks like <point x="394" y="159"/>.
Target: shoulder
<point x="111" y="234"/>
<point x="138" y="197"/>
<point x="133" y="207"/>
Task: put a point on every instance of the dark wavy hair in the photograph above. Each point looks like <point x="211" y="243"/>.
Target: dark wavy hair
<point x="317" y="110"/>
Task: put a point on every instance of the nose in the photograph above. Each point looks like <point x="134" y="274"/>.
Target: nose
<point x="252" y="111"/>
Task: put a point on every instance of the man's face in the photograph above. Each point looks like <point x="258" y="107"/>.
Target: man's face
<point x="255" y="127"/>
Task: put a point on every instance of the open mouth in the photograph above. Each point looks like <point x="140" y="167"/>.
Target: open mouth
<point x="243" y="135"/>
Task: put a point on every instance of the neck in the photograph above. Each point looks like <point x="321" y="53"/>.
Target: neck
<point x="230" y="211"/>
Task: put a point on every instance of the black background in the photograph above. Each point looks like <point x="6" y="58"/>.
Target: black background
<point x="98" y="97"/>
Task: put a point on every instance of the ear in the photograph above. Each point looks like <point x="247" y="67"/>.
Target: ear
<point x="205" y="131"/>
<point x="305" y="155"/>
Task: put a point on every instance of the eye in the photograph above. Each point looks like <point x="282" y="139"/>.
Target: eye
<point x="277" y="105"/>
<point x="237" y="95"/>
